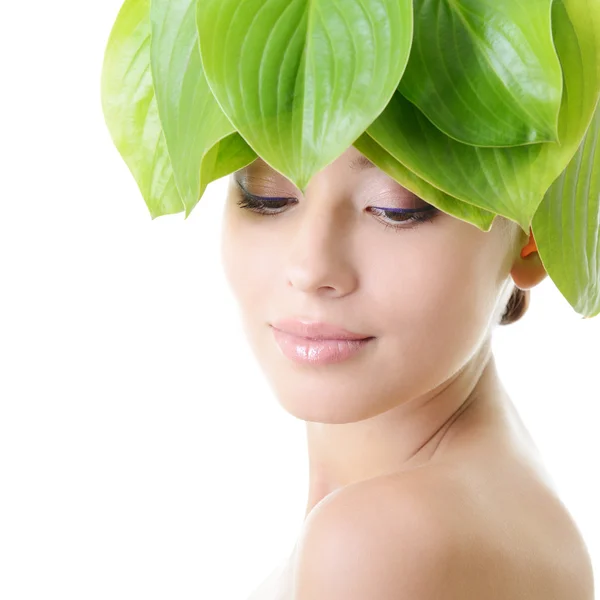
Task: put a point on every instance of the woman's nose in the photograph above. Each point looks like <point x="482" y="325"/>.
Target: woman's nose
<point x="319" y="250"/>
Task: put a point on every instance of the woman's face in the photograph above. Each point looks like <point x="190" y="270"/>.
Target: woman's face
<point x="429" y="292"/>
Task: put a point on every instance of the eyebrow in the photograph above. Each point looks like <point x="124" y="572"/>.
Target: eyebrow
<point x="361" y="163"/>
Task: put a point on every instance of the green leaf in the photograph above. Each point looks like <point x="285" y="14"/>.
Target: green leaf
<point x="486" y="72"/>
<point x="225" y="157"/>
<point x="387" y="163"/>
<point x="566" y="227"/>
<point x="131" y="112"/>
<point x="507" y="181"/>
<point x="233" y="153"/>
<point x="192" y="120"/>
<point x="301" y="79"/>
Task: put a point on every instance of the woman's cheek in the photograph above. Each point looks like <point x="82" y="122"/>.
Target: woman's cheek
<point x="236" y="259"/>
<point x="246" y="267"/>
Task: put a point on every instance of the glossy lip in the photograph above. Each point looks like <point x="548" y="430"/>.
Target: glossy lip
<point x="315" y="330"/>
<point x="317" y="352"/>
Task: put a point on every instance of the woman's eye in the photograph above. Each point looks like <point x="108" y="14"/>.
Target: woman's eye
<point x="262" y="205"/>
<point x="407" y="215"/>
<point x="396" y="218"/>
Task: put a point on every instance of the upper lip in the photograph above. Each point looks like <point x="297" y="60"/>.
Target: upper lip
<point x="315" y="330"/>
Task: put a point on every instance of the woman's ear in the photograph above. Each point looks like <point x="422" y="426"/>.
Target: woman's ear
<point x="528" y="270"/>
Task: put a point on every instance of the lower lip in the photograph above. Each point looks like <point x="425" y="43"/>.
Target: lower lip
<point x="317" y="352"/>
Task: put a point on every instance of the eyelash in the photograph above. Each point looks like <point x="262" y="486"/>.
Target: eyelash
<point x="259" y="204"/>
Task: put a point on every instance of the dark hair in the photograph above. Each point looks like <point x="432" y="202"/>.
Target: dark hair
<point x="516" y="307"/>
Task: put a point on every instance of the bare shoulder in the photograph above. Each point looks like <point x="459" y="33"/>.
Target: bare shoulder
<point x="433" y="533"/>
<point x="355" y="545"/>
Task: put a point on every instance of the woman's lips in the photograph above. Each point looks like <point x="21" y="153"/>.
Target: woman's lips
<point x="309" y="351"/>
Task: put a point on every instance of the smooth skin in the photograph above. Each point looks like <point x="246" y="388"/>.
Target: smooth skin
<point x="423" y="481"/>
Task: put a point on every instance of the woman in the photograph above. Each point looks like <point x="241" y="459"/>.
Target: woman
<point x="424" y="482"/>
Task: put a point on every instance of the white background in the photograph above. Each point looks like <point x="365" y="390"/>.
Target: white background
<point x="142" y="453"/>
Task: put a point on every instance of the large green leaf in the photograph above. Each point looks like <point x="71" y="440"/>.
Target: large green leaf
<point x="192" y="120"/>
<point x="387" y="163"/>
<point x="567" y="227"/>
<point x="486" y="72"/>
<point x="301" y="79"/>
<point x="508" y="181"/>
<point x="131" y="112"/>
